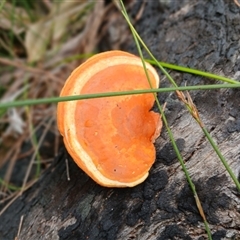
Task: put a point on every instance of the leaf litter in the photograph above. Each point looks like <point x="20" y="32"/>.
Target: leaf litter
<point x="33" y="65"/>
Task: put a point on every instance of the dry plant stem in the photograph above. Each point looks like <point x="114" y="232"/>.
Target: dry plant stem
<point x="8" y="197"/>
<point x="187" y="100"/>
<point x="237" y="3"/>
<point x="12" y="151"/>
<point x="10" y="203"/>
<point x="56" y="142"/>
<point x="25" y="154"/>
<point x="18" y="194"/>
<point x="46" y="161"/>
<point x="33" y="139"/>
<point x="15" y="89"/>
<point x="10" y="168"/>
<point x="2" y="195"/>
<point x="140" y="12"/>
<point x="48" y="4"/>
<point x="28" y="69"/>
<point x="67" y="169"/>
<point x="34" y="155"/>
<point x="90" y="34"/>
<point x="19" y="228"/>
<point x="12" y="154"/>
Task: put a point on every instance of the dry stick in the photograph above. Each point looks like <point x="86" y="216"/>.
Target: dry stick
<point x="10" y="203"/>
<point x="140" y="12"/>
<point x="33" y="140"/>
<point x="19" y="228"/>
<point x="28" y="69"/>
<point x="237" y="3"/>
<point x="34" y="155"/>
<point x="67" y="169"/>
<point x="15" y="198"/>
<point x="57" y="137"/>
<point x="9" y="154"/>
<point x="10" y="168"/>
<point x="48" y="4"/>
<point x="12" y="154"/>
<point x="56" y="143"/>
<point x="8" y="197"/>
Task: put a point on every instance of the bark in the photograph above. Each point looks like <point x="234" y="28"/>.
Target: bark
<point x="199" y="34"/>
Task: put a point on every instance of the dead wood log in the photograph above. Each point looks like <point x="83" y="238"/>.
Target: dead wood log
<point x="199" y="34"/>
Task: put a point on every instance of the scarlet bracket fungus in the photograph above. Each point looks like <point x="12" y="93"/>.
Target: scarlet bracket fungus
<point x="111" y="139"/>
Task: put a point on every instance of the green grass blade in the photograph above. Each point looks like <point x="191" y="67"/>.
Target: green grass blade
<point x="224" y="162"/>
<point x="193" y="71"/>
<point x="191" y="184"/>
<point x="29" y="102"/>
<point x="8" y="185"/>
<point x="171" y="80"/>
<point x="31" y="128"/>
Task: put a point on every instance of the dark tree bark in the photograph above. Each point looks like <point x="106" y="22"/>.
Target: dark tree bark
<point x="199" y="34"/>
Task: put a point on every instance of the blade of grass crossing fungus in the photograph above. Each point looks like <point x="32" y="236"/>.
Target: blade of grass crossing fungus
<point x="28" y="102"/>
<point x="173" y="82"/>
<point x="191" y="184"/>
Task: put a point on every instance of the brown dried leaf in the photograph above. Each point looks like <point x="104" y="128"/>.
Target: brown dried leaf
<point x="37" y="39"/>
<point x="51" y="28"/>
<point x="64" y="13"/>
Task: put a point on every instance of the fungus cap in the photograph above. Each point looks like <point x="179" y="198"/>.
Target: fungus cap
<point x="111" y="138"/>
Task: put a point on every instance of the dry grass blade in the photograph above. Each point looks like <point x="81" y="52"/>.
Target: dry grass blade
<point x="237" y="3"/>
<point x="67" y="169"/>
<point x="34" y="155"/>
<point x="35" y="70"/>
<point x="15" y="196"/>
<point x="37" y="39"/>
<point x="19" y="228"/>
<point x="89" y="35"/>
<point x="190" y="105"/>
<point x="52" y="35"/>
<point x="51" y="28"/>
<point x="13" y="18"/>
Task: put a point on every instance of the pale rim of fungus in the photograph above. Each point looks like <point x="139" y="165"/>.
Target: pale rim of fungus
<point x="68" y="130"/>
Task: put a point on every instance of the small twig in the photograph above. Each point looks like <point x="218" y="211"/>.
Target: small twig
<point x="16" y="197"/>
<point x="237" y="3"/>
<point x="140" y="12"/>
<point x="19" y="228"/>
<point x="187" y="100"/>
<point x="28" y="69"/>
<point x="9" y="203"/>
<point x="67" y="169"/>
<point x="48" y="4"/>
<point x="34" y="155"/>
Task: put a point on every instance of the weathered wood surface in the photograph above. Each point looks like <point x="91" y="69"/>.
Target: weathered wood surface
<point x="200" y="34"/>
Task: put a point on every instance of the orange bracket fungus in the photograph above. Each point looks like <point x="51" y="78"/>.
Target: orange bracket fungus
<point x="111" y="138"/>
